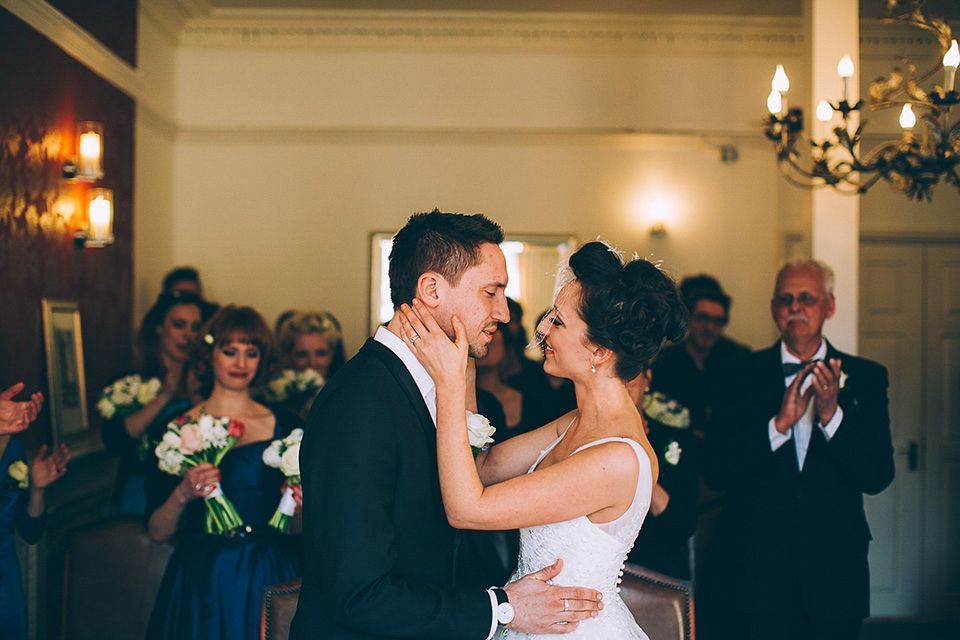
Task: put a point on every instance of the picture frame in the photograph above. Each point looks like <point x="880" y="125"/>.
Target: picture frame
<point x="63" y="340"/>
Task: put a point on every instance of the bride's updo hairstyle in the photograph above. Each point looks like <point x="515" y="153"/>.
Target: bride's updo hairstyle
<point x="631" y="309"/>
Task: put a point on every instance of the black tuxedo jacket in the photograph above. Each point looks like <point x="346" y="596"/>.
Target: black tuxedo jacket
<point x="378" y="550"/>
<point x="789" y="538"/>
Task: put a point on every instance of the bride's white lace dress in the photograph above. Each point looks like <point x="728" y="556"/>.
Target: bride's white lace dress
<point x="593" y="556"/>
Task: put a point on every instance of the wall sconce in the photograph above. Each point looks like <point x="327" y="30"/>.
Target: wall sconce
<point x="99" y="228"/>
<point x="660" y="211"/>
<point x="87" y="166"/>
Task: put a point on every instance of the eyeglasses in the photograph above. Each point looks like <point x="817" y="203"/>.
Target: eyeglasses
<point x="805" y="299"/>
<point x="720" y="321"/>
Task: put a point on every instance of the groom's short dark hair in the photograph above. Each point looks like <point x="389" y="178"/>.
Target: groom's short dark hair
<point x="445" y="243"/>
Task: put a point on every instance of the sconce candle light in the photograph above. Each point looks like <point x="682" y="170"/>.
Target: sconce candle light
<point x="99" y="231"/>
<point x="87" y="166"/>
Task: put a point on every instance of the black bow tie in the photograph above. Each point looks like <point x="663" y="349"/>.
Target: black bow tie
<point x="793" y="368"/>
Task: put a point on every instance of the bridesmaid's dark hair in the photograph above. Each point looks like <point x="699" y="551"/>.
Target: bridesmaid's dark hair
<point x="631" y="309"/>
<point x="150" y="361"/>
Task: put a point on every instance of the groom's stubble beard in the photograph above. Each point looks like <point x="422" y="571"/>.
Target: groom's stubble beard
<point x="477" y="347"/>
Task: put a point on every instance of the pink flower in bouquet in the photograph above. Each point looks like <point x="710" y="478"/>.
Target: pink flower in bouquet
<point x="236" y="429"/>
<point x="181" y="420"/>
<point x="190" y="440"/>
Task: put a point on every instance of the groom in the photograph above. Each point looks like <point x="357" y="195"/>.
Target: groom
<point x="378" y="550"/>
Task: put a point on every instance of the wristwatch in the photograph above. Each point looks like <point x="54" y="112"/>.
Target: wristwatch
<point x="505" y="610"/>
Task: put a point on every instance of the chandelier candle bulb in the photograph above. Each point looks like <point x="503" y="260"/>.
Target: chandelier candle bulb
<point x="824" y="111"/>
<point x="780" y="82"/>
<point x="774" y="102"/>
<point x="951" y="60"/>
<point x="907" y="118"/>
<point x="845" y="71"/>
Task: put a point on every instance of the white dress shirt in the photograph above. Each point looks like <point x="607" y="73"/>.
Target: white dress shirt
<point x="428" y="389"/>
<point x="802" y="430"/>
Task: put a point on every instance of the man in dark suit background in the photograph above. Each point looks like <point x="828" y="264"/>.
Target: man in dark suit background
<point x="805" y="432"/>
<point x="378" y="550"/>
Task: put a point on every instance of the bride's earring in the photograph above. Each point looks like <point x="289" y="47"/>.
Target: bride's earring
<point x="593" y="368"/>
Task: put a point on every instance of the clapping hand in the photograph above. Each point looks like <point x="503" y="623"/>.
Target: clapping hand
<point x="826" y="387"/>
<point x="46" y="469"/>
<point x="794" y="403"/>
<point x="16" y="416"/>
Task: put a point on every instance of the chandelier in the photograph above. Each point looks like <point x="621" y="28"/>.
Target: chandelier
<point x="928" y="149"/>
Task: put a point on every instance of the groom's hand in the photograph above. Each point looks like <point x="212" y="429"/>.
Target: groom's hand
<point x="543" y="608"/>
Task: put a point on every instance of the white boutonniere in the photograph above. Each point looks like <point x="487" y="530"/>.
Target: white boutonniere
<point x="479" y="431"/>
<point x="671" y="452"/>
<point x="18" y="475"/>
<point x="843" y="379"/>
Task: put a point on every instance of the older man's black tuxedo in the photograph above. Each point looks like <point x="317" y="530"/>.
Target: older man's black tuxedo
<point x="378" y="551"/>
<point x="791" y="540"/>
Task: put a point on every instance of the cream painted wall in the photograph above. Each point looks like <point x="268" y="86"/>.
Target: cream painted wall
<point x="282" y="161"/>
<point x="291" y="159"/>
<point x="154" y="233"/>
<point x="297" y="235"/>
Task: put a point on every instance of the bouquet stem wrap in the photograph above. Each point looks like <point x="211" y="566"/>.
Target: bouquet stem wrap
<point x="221" y="516"/>
<point x="285" y="510"/>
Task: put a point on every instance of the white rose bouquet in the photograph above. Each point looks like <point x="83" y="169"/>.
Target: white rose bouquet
<point x="284" y="454"/>
<point x="127" y="395"/>
<point x="479" y="431"/>
<point x="18" y="475"/>
<point x="188" y="443"/>
<point x="294" y="390"/>
<point x="666" y="410"/>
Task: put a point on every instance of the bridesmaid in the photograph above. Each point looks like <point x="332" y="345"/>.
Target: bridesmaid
<point x="311" y="340"/>
<point x="213" y="585"/>
<point x="164" y="340"/>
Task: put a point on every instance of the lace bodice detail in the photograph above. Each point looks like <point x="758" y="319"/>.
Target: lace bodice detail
<point x="593" y="555"/>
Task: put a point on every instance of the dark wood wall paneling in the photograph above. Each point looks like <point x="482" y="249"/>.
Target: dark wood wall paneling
<point x="45" y="92"/>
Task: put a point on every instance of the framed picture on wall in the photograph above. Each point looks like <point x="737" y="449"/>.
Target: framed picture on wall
<point x="67" y="388"/>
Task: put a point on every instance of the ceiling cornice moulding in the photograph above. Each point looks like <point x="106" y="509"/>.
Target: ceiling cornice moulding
<point x="669" y="35"/>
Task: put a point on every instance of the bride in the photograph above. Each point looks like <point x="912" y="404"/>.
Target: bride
<point x="579" y="487"/>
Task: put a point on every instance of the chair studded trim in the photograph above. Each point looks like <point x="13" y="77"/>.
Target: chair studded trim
<point x="279" y="605"/>
<point x="668" y="600"/>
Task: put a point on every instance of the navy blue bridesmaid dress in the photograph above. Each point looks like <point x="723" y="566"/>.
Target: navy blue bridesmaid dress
<point x="213" y="585"/>
<point x="14" y="518"/>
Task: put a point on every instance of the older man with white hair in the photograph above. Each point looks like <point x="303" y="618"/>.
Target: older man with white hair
<point x="804" y="434"/>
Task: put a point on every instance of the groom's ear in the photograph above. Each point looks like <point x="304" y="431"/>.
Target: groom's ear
<point x="430" y="287"/>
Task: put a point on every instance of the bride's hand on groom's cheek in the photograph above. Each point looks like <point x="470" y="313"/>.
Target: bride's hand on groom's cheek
<point x="428" y="341"/>
<point x="543" y="608"/>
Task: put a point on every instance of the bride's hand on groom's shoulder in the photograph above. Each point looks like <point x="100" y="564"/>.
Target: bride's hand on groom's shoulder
<point x="543" y="608"/>
<point x="444" y="360"/>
